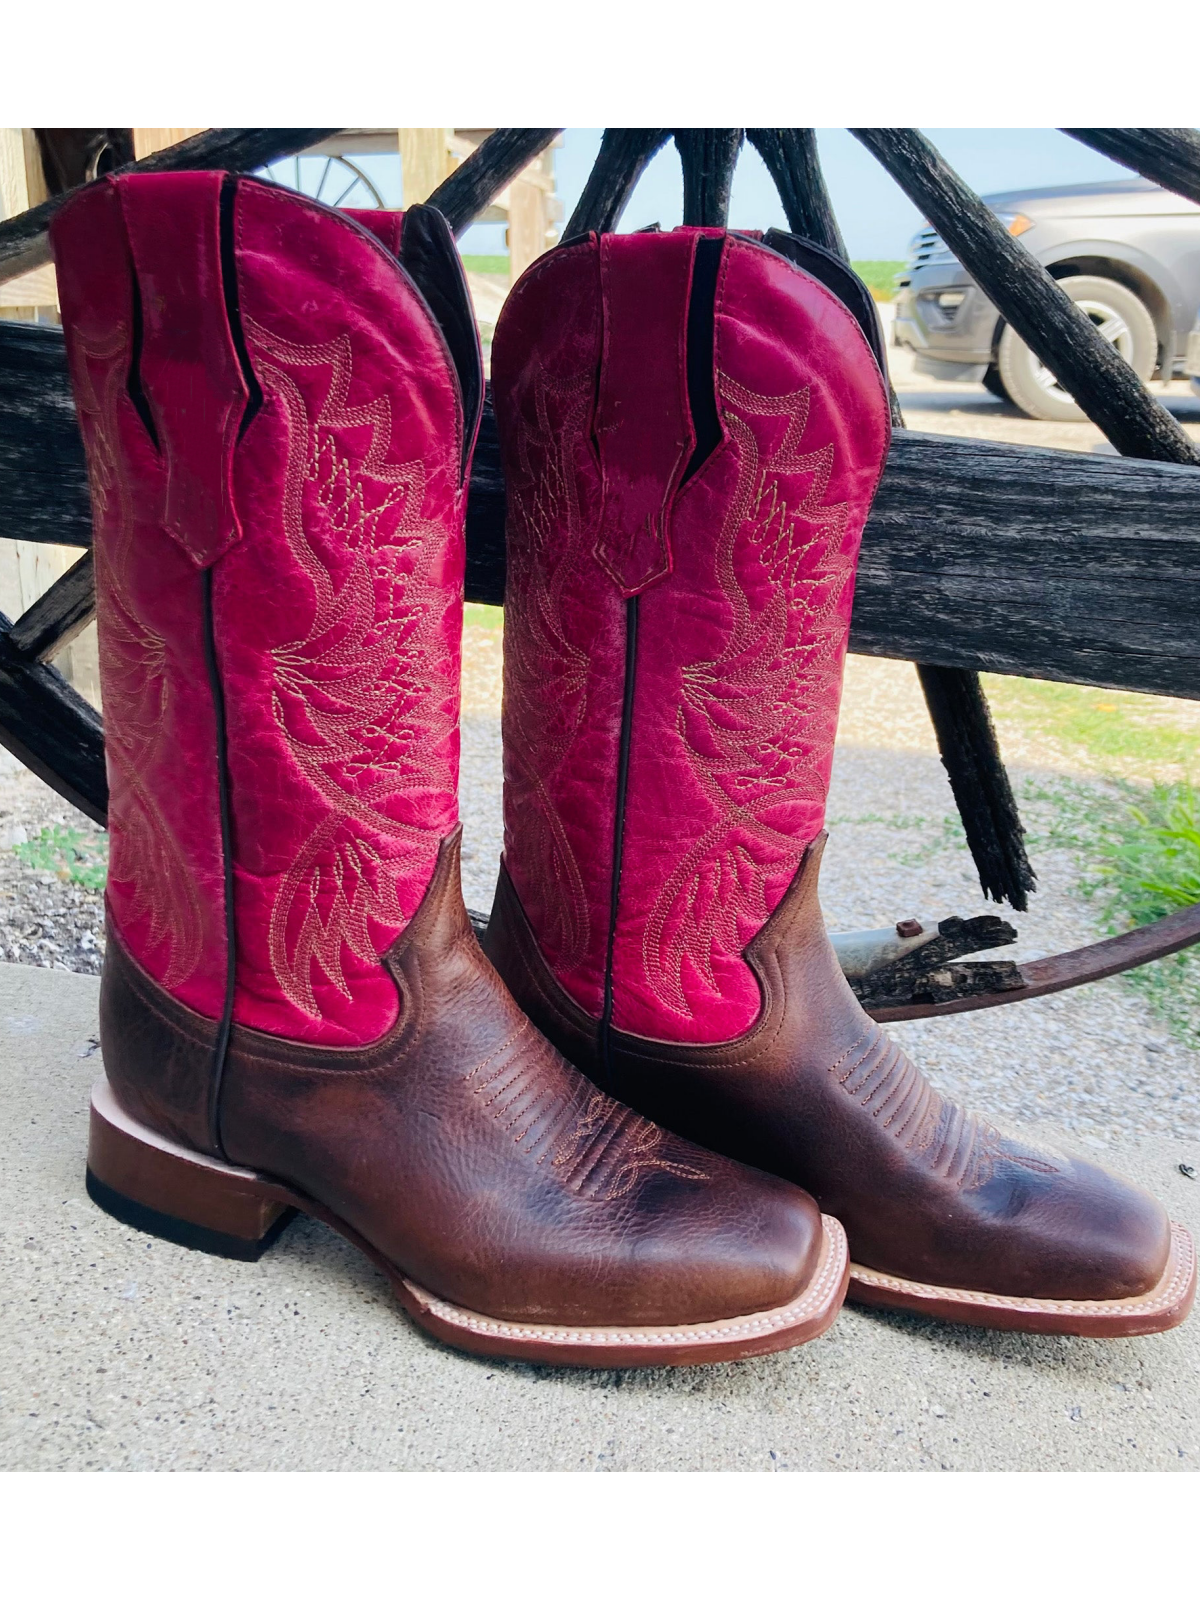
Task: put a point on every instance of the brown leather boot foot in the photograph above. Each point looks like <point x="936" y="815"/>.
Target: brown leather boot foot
<point x="693" y="425"/>
<point x="515" y="1209"/>
<point x="944" y="1215"/>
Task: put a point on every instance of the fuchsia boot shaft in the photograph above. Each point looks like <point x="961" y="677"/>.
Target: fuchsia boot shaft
<point x="244" y="451"/>
<point x="693" y="431"/>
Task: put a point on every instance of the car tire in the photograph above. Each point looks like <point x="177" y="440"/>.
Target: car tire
<point x="1116" y="311"/>
<point x="994" y="384"/>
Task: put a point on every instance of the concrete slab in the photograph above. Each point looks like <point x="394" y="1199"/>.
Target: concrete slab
<point x="121" y="1352"/>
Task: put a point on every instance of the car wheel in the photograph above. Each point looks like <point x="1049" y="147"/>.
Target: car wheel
<point x="994" y="383"/>
<point x="1120" y="317"/>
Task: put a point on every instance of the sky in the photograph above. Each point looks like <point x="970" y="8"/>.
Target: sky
<point x="876" y="218"/>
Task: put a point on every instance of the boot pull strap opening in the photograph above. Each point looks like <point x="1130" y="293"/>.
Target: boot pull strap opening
<point x="188" y="380"/>
<point x="430" y="256"/>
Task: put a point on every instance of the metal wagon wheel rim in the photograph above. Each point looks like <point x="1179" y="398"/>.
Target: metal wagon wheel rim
<point x="60" y="737"/>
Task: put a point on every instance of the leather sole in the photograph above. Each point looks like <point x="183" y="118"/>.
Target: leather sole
<point x="1163" y="1307"/>
<point x="165" y="1189"/>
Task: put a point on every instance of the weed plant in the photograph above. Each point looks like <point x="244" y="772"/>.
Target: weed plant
<point x="72" y="855"/>
<point x="1141" y="853"/>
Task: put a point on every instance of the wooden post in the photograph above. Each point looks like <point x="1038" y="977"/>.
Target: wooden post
<point x="23" y="184"/>
<point x="27" y="569"/>
<point x="425" y="161"/>
<point x="526" y="225"/>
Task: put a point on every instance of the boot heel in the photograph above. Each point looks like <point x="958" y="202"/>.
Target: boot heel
<point x="160" y="1187"/>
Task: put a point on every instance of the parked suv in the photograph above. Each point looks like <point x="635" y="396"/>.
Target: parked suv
<point x="1191" y="361"/>
<point x="1128" y="253"/>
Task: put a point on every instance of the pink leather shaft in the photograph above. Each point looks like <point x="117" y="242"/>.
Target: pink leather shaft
<point x="336" y="613"/>
<point x="740" y="645"/>
<point x="385" y="225"/>
<point x="166" y="873"/>
<point x="188" y="365"/>
<point x="643" y="426"/>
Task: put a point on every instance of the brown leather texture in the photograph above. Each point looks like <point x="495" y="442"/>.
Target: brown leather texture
<point x="817" y="1093"/>
<point x="464" y="1149"/>
<point x="159" y="1056"/>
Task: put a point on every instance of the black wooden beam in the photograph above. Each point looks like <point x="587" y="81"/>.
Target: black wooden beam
<point x="790" y="156"/>
<point x="623" y="157"/>
<point x="58" y="616"/>
<point x="982" y="792"/>
<point x="25" y="242"/>
<point x="496" y="161"/>
<point x="1103" y="384"/>
<point x="708" y="157"/>
<point x="1168" y="156"/>
<point x="1045" y="563"/>
<point x="52" y="729"/>
<point x="43" y="475"/>
<point x="1042" y="563"/>
<point x="1039" y="563"/>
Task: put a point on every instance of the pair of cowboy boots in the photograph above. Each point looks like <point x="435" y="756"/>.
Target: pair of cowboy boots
<point x="279" y="404"/>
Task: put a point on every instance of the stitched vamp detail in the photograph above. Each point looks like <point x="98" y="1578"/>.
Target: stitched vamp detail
<point x="757" y="721"/>
<point x="596" y="1148"/>
<point x="953" y="1145"/>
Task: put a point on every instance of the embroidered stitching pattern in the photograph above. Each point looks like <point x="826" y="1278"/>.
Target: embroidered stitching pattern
<point x="362" y="698"/>
<point x="597" y="1148"/>
<point x="545" y="673"/>
<point x="755" y="720"/>
<point x="145" y="857"/>
<point x="952" y="1144"/>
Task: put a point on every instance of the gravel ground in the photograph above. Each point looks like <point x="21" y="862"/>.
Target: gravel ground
<point x="45" y="920"/>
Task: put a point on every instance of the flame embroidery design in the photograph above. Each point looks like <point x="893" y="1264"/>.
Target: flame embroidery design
<point x="145" y="857"/>
<point x="545" y="673"/>
<point x="757" y="721"/>
<point x="366" y="697"/>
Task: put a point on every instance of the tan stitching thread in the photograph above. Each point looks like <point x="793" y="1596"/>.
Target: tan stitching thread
<point x="953" y="1144"/>
<point x="787" y="695"/>
<point x="146" y="856"/>
<point x="367" y="678"/>
<point x="816" y="1296"/>
<point x="1182" y="1255"/>
<point x="545" y="544"/>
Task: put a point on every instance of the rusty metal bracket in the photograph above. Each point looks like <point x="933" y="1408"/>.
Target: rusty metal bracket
<point x="1051" y="974"/>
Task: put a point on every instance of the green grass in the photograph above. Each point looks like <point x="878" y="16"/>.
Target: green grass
<point x="74" y="856"/>
<point x="879" y="277"/>
<point x="475" y="616"/>
<point x="1139" y="854"/>
<point x="1137" y="843"/>
<point x="1147" y="866"/>
<point x="1109" y="724"/>
<point x="496" y="264"/>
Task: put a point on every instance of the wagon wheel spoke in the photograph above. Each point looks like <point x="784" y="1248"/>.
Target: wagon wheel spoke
<point x="1032" y="513"/>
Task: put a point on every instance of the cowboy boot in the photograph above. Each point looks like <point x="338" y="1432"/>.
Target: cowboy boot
<point x="295" y="1014"/>
<point x="692" y="429"/>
